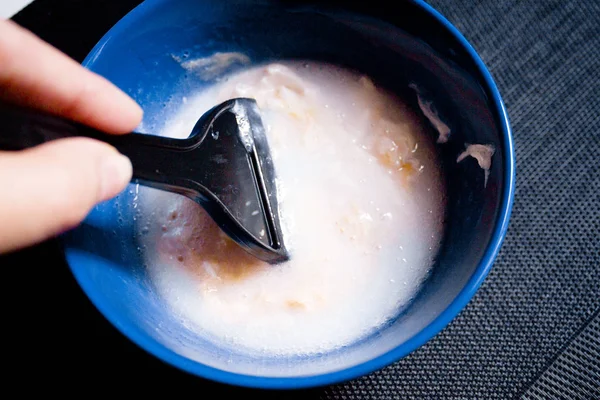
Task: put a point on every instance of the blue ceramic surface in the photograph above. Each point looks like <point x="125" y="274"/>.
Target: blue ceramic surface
<point x="414" y="44"/>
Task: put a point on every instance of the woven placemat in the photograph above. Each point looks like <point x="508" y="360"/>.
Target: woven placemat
<point x="532" y="330"/>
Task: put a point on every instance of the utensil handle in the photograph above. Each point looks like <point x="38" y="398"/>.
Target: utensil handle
<point x="153" y="158"/>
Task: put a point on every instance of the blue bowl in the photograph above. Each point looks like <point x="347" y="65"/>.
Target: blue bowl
<point x="410" y="44"/>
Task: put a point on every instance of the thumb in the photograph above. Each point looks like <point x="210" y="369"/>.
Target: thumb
<point x="51" y="188"/>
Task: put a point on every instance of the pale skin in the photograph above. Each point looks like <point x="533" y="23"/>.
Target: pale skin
<point x="49" y="189"/>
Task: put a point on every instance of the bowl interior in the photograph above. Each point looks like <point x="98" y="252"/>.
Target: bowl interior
<point x="411" y="47"/>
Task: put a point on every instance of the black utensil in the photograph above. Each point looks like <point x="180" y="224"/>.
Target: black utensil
<point x="225" y="165"/>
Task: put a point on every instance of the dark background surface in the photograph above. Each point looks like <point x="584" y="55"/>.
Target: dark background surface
<point x="539" y="304"/>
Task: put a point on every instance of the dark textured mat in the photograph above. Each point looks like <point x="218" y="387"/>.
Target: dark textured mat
<point x="531" y="323"/>
<point x="575" y="373"/>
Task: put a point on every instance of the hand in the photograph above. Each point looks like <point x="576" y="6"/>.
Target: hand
<point x="49" y="189"/>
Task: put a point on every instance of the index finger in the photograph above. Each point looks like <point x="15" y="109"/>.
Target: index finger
<point x="35" y="74"/>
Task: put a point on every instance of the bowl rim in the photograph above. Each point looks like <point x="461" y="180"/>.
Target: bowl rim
<point x="432" y="329"/>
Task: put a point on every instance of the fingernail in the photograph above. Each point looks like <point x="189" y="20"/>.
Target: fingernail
<point x="116" y="173"/>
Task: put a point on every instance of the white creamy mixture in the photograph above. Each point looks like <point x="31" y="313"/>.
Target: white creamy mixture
<point x="362" y="200"/>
